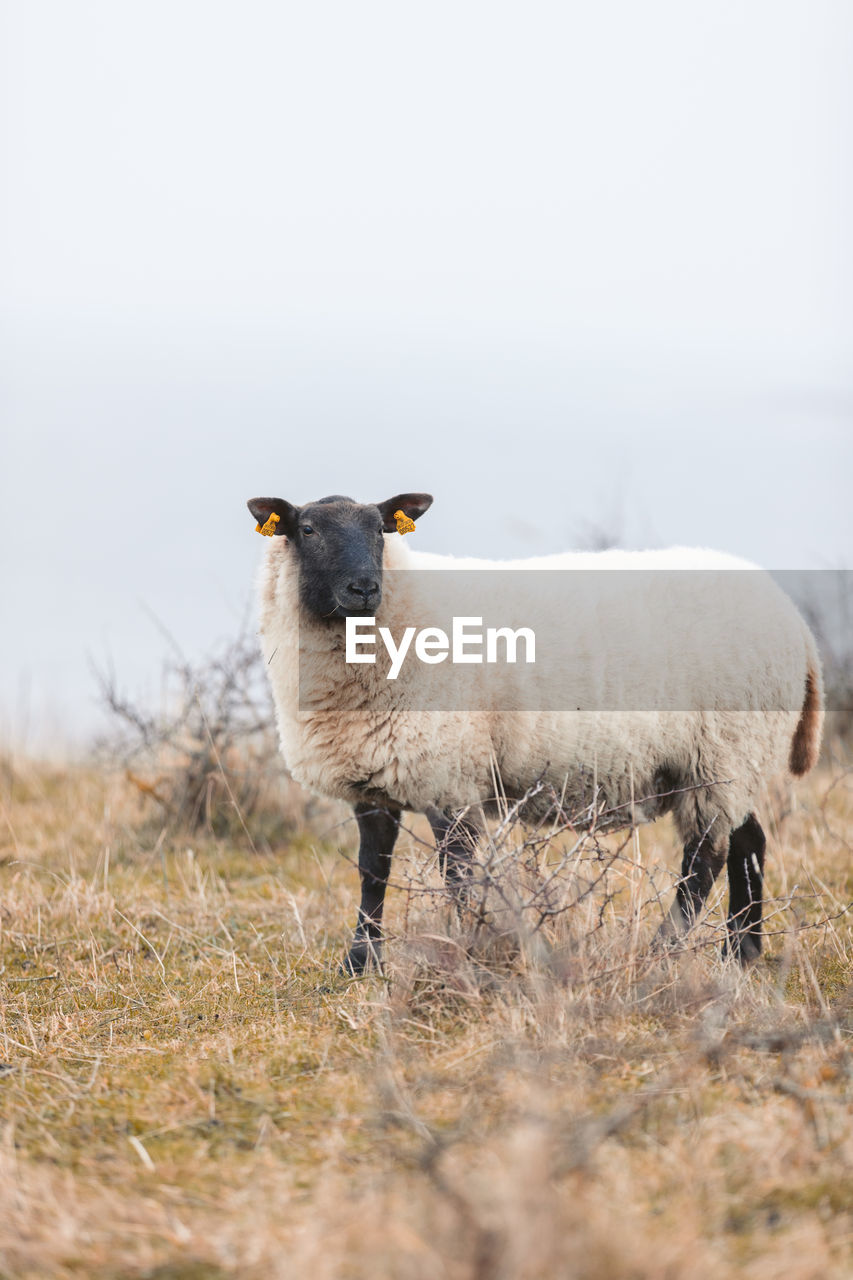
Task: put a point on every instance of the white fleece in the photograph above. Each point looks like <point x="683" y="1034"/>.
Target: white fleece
<point x="358" y="736"/>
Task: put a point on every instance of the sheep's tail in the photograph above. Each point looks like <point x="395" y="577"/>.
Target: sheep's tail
<point x="805" y="743"/>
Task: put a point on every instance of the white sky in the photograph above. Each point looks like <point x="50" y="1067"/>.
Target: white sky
<point x="560" y="264"/>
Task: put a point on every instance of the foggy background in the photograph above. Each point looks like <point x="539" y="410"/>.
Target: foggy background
<point x="565" y="266"/>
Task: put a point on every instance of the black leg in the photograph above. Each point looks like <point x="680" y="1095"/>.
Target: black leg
<point x="702" y="863"/>
<point x="456" y="839"/>
<point x="377" y="829"/>
<point x="746" y="876"/>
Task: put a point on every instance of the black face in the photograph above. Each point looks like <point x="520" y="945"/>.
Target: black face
<point x="339" y="544"/>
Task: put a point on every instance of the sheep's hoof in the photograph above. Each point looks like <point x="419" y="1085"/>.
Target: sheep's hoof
<point x="745" y="947"/>
<point x="668" y="938"/>
<point x="362" y="955"/>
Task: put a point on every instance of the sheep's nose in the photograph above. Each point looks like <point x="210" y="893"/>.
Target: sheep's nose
<point x="367" y="588"/>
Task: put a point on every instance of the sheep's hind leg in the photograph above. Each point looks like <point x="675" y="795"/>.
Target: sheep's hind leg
<point x="702" y="863"/>
<point x="455" y="839"/>
<point x="746" y="876"/>
<point x="377" y="830"/>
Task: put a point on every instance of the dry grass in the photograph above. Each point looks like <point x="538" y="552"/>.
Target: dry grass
<point x="188" y="1089"/>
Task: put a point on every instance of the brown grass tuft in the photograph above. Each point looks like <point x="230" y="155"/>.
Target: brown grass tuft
<point x="188" y="1089"/>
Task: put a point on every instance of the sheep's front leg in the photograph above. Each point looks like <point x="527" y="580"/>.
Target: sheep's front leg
<point x="455" y="839"/>
<point x="377" y="830"/>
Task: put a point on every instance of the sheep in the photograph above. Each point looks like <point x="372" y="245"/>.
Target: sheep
<point x="740" y="667"/>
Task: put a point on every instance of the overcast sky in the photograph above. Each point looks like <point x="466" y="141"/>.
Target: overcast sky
<point x="564" y="265"/>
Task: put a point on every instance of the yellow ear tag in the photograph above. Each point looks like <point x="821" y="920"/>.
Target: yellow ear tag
<point x="404" y="524"/>
<point x="268" y="529"/>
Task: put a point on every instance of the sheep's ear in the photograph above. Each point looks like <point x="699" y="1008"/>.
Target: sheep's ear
<point x="263" y="508"/>
<point x="411" y="504"/>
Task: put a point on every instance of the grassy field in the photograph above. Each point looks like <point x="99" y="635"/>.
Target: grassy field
<point x="189" y="1089"/>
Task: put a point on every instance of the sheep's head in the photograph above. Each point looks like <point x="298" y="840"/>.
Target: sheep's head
<point x="338" y="544"/>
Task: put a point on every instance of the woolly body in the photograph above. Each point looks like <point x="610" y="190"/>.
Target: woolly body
<point x="742" y="673"/>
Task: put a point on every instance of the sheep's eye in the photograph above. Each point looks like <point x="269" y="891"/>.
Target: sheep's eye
<point x="306" y="528"/>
